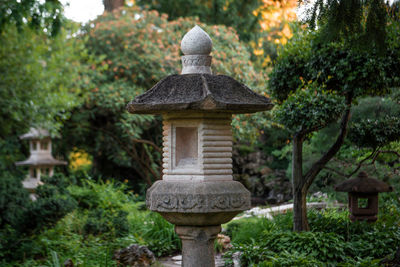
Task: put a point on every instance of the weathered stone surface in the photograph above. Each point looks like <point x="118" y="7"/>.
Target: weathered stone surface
<point x="196" y="204"/>
<point x="134" y="255"/>
<point x="196" y="42"/>
<point x="198" y="245"/>
<point x="197" y="148"/>
<point x="192" y="197"/>
<point x="196" y="45"/>
<point x="199" y="92"/>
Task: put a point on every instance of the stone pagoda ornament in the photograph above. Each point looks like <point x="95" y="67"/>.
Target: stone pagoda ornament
<point x="197" y="192"/>
<point x="40" y="161"/>
<point x="363" y="196"/>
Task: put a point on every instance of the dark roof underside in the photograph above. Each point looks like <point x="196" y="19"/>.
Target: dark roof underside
<point x="199" y="92"/>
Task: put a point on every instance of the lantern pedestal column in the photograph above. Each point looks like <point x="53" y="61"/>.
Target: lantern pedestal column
<point x="197" y="244"/>
<point x="197" y="209"/>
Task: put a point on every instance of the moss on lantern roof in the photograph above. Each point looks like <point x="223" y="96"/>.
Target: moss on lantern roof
<point x="363" y="184"/>
<point x="199" y="92"/>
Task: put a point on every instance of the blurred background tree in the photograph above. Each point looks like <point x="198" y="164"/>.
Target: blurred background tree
<point x="41" y="15"/>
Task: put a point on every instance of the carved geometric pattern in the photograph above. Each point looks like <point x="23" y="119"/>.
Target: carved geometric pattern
<point x="197" y="203"/>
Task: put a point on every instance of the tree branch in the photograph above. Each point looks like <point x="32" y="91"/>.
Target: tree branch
<point x="336" y="171"/>
<point x="374" y="154"/>
<point x="361" y="163"/>
<point x="320" y="164"/>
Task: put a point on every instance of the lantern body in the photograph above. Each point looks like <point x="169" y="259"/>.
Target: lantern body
<point x="197" y="147"/>
<point x="367" y="211"/>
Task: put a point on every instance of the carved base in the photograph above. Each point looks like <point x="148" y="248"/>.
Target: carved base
<point x="198" y="203"/>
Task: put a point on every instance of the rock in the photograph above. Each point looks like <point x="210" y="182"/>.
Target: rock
<point x="68" y="263"/>
<point x="134" y="255"/>
<point x="267" y="186"/>
<point x="236" y="259"/>
<point x="177" y="258"/>
<point x="265" y="171"/>
<point x="224" y="241"/>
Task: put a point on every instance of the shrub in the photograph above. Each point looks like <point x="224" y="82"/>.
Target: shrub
<point x="333" y="241"/>
<point x="248" y="230"/>
<point x="159" y="235"/>
<point x="24" y="218"/>
<point x="106" y="221"/>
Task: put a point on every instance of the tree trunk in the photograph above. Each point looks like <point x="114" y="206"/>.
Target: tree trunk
<point x="110" y="5"/>
<point x="300" y="222"/>
<point x="301" y="183"/>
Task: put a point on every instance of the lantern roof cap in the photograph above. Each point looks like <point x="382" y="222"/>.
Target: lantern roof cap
<point x="363" y="184"/>
<point x="199" y="93"/>
<point x="35" y="133"/>
<point x="196" y="42"/>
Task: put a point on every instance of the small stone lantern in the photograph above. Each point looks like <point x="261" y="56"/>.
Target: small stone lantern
<point x="197" y="192"/>
<point x="363" y="196"/>
<point x="40" y="161"/>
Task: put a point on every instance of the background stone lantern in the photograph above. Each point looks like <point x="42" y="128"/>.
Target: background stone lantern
<point x="363" y="196"/>
<point x="197" y="192"/>
<point x="40" y="161"/>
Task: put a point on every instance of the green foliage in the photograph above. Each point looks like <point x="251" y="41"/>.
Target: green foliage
<point x="247" y="230"/>
<point x="375" y="133"/>
<point x="360" y="23"/>
<point x="290" y="68"/>
<point x="102" y="221"/>
<point x="338" y="75"/>
<point x="32" y="91"/>
<point x="45" y="15"/>
<point x="110" y="211"/>
<point x="375" y="123"/>
<point x="289" y="259"/>
<point x="231" y="13"/>
<point x="22" y="218"/>
<point x="333" y="241"/>
<point x="160" y="235"/>
<point x="310" y="109"/>
<point x="108" y="218"/>
<point x="13" y="199"/>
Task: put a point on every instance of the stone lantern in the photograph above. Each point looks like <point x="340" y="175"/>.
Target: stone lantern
<point x="197" y="192"/>
<point x="40" y="161"/>
<point x="363" y="196"/>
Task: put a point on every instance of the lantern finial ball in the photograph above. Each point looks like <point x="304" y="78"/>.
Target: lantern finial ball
<point x="196" y="42"/>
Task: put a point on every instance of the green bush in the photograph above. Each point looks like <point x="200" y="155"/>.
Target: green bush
<point x="100" y="221"/>
<point x="286" y="259"/>
<point x="24" y="218"/>
<point x="13" y="200"/>
<point x="159" y="235"/>
<point x="248" y="230"/>
<point x="333" y="241"/>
